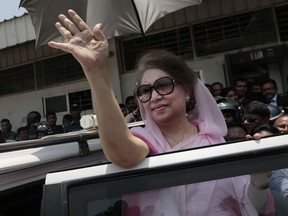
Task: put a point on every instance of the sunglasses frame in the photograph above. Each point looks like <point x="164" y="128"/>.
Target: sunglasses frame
<point x="151" y="87"/>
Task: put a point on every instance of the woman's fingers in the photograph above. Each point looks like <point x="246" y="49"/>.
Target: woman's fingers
<point x="256" y="136"/>
<point x="63" y="31"/>
<point x="67" y="28"/>
<point x="81" y="25"/>
<point x="69" y="25"/>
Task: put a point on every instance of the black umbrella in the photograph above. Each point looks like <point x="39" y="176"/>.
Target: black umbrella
<point x="118" y="17"/>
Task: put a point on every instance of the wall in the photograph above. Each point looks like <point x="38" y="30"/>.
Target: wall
<point x="16" y="107"/>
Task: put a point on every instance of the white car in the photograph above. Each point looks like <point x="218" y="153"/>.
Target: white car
<point x="69" y="175"/>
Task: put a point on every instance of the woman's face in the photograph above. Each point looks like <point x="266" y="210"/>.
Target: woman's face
<point x="164" y="109"/>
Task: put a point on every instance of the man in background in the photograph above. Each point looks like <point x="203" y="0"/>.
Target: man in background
<point x="6" y="127"/>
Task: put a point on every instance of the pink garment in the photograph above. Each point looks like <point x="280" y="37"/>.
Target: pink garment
<point x="224" y="197"/>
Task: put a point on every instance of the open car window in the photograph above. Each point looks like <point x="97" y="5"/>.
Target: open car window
<point x="108" y="189"/>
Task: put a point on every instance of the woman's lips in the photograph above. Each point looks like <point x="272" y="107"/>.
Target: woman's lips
<point x="159" y="107"/>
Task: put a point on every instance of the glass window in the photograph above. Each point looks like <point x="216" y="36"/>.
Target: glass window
<point x="57" y="70"/>
<point x="235" y="32"/>
<point x="17" y="79"/>
<point x="282" y="17"/>
<point x="177" y="41"/>
<point x="82" y="98"/>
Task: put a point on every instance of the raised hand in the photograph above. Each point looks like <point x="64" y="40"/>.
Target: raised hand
<point x="89" y="47"/>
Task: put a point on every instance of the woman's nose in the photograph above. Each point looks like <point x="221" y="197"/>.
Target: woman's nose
<point x="155" y="95"/>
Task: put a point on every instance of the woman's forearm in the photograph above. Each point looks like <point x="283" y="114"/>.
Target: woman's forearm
<point x="119" y="145"/>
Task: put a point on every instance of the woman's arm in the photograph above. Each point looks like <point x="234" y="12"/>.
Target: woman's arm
<point x="91" y="48"/>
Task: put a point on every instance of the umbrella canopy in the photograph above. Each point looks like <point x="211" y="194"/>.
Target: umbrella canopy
<point x="118" y="17"/>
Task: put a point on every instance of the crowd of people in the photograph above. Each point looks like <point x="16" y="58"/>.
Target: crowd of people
<point x="36" y="127"/>
<point x="250" y="104"/>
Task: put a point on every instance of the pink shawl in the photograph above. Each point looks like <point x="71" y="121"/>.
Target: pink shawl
<point x="224" y="197"/>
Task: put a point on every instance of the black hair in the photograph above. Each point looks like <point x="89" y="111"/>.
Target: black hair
<point x="20" y="129"/>
<point x="50" y="113"/>
<point x="237" y="124"/>
<point x="216" y="83"/>
<point x="240" y="79"/>
<point x="272" y="81"/>
<point x="5" y="120"/>
<point x="257" y="108"/>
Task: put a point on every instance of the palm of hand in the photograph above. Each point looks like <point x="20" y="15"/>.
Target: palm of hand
<point x="89" y="47"/>
<point x="88" y="50"/>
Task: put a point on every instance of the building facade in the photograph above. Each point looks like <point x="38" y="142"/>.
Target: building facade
<point x="220" y="39"/>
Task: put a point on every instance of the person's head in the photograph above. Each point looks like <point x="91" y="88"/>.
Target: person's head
<point x="269" y="88"/>
<point x="235" y="131"/>
<point x="6" y="126"/>
<point x="51" y="118"/>
<point x="42" y="130"/>
<point x="217" y="88"/>
<point x="254" y="114"/>
<point x="33" y="117"/>
<point x="131" y="103"/>
<point x="75" y="111"/>
<point x="264" y="130"/>
<point x="123" y="109"/>
<point x="281" y="123"/>
<point x="165" y="82"/>
<point x="229" y="92"/>
<point x="241" y="86"/>
<point x="22" y="133"/>
<point x="67" y="119"/>
<point x="229" y="108"/>
<point x="255" y="87"/>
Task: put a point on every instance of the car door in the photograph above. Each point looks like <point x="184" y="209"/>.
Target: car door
<point x="99" y="190"/>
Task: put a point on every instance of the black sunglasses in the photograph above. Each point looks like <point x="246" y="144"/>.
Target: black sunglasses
<point x="163" y="86"/>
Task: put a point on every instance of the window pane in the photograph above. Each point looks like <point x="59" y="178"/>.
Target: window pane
<point x="144" y="196"/>
<point x="235" y="32"/>
<point x="177" y="41"/>
<point x="57" y="70"/>
<point x="17" y="79"/>
<point x="56" y="104"/>
<point x="82" y="98"/>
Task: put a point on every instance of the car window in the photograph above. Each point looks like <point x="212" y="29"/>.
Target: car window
<point x="152" y="187"/>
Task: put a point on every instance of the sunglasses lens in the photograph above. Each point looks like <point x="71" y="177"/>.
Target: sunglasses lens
<point x="144" y="93"/>
<point x="164" y="86"/>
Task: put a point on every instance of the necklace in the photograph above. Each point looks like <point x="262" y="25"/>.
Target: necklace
<point x="174" y="142"/>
